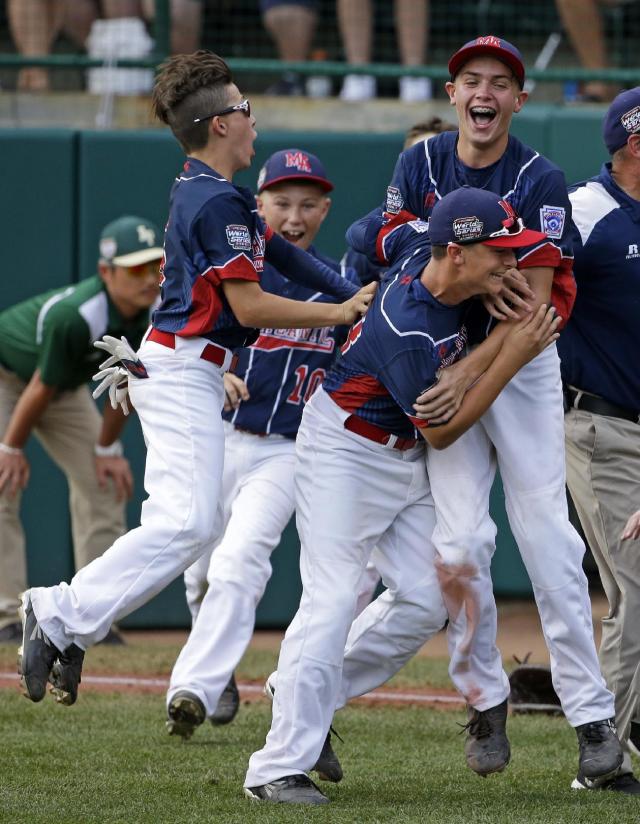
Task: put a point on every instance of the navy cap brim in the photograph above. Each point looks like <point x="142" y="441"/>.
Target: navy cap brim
<point x="526" y="238"/>
<point x="321" y="181"/>
<point x="463" y="56"/>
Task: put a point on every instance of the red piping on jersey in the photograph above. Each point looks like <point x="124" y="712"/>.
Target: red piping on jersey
<point x="355" y="392"/>
<point x="394" y="221"/>
<point x="563" y="287"/>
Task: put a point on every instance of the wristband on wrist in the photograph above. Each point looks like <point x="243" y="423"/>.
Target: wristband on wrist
<point x="114" y="450"/>
<point x="10" y="450"/>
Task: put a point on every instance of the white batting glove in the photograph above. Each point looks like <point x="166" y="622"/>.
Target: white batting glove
<point x="122" y="354"/>
<point x="115" y="379"/>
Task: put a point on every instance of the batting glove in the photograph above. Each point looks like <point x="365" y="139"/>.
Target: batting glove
<point x="121" y="353"/>
<point x="115" y="379"/>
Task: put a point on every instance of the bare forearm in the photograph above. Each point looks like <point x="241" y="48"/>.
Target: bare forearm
<point x="28" y="411"/>
<point x="476" y="402"/>
<point x="258" y="309"/>
<point x="480" y="359"/>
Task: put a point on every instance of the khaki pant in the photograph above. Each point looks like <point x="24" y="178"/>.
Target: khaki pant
<point x="68" y="430"/>
<point x="603" y="475"/>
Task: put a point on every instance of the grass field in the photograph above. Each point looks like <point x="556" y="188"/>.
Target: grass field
<point x="109" y="759"/>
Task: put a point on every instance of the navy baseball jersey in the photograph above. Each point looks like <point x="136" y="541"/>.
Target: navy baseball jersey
<point x="284" y="367"/>
<point x="534" y="186"/>
<point x="214" y="233"/>
<point x="395" y="351"/>
<point x="600" y="344"/>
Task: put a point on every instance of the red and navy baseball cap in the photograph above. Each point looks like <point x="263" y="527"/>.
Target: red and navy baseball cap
<point x="293" y="164"/>
<point x="622" y="120"/>
<point x="469" y="215"/>
<point x="493" y="47"/>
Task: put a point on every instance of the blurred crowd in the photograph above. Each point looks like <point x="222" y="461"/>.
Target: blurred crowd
<point x="110" y="30"/>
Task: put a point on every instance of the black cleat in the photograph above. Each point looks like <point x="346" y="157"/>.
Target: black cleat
<point x="487" y="747"/>
<point x="626" y="783"/>
<point x="600" y="751"/>
<point x="328" y="765"/>
<point x="65" y="675"/>
<point x="11" y="633"/>
<point x="292" y="789"/>
<point x="185" y="712"/>
<point x="228" y="704"/>
<point x="36" y="655"/>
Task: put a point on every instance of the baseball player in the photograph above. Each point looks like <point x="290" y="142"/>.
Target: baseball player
<point x="361" y="424"/>
<point x="523" y="431"/>
<point x="279" y="372"/>
<point x="215" y="245"/>
<point x="47" y="357"/>
<point x="598" y="352"/>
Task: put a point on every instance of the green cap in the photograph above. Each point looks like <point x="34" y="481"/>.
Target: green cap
<point x="130" y="241"/>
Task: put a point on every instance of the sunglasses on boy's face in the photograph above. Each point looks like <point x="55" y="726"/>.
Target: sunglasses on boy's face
<point x="141" y="269"/>
<point x="243" y="106"/>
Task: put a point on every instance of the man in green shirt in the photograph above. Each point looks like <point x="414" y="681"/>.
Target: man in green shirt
<point x="47" y="358"/>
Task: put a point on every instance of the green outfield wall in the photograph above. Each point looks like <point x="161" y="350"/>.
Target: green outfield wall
<point x="61" y="187"/>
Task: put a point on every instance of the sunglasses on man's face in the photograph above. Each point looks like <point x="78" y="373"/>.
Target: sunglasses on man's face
<point x="243" y="106"/>
<point x="142" y="269"/>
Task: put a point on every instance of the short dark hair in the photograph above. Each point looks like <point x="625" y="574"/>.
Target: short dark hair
<point x="438" y="252"/>
<point x="436" y="125"/>
<point x="190" y="86"/>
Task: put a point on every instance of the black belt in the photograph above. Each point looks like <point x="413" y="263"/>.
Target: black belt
<point x="599" y="406"/>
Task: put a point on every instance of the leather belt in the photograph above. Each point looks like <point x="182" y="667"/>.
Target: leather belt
<point x="599" y="406"/>
<point x="371" y="432"/>
<point x="212" y="352"/>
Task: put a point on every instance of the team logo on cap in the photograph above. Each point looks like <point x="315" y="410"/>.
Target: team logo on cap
<point x="631" y="120"/>
<point x="467" y="228"/>
<point x="262" y="176"/>
<point x="489" y="40"/>
<point x="552" y="221"/>
<point x="238" y="237"/>
<point x="108" y="248"/>
<point x="297" y="160"/>
<point x="145" y="234"/>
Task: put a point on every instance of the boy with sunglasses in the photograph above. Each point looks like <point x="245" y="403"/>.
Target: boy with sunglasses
<point x="215" y="246"/>
<point x="46" y="360"/>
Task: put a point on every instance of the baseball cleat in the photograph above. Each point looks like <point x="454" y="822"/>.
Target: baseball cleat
<point x="65" y="675"/>
<point x="328" y="765"/>
<point x="627" y="784"/>
<point x="292" y="789"/>
<point x="600" y="751"/>
<point x="487" y="747"/>
<point x="228" y="704"/>
<point x="185" y="712"/>
<point x="36" y="655"/>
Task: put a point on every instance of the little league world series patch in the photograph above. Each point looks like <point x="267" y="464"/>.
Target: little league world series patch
<point x="238" y="237"/>
<point x="552" y="221"/>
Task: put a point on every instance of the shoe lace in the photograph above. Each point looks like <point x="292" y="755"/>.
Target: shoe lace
<point x="479" y="725"/>
<point x="334" y="731"/>
<point x="595" y="733"/>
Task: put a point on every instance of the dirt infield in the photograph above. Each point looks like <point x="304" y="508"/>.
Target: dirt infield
<point x="519" y="634"/>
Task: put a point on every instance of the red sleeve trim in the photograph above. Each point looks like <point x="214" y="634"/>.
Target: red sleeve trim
<point x="268" y="233"/>
<point x="238" y="268"/>
<point x="546" y="255"/>
<point x="394" y="221"/>
<point x="564" y="290"/>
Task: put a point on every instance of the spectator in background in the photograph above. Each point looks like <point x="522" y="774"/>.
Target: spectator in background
<point x="36" y="24"/>
<point x="47" y="358"/>
<point x="291" y="26"/>
<point x="356" y="26"/>
<point x="582" y="20"/>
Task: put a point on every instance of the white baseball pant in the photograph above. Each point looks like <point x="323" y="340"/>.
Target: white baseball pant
<point x="523" y="434"/>
<point x="351" y="494"/>
<point x="225" y="586"/>
<point x="179" y="406"/>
